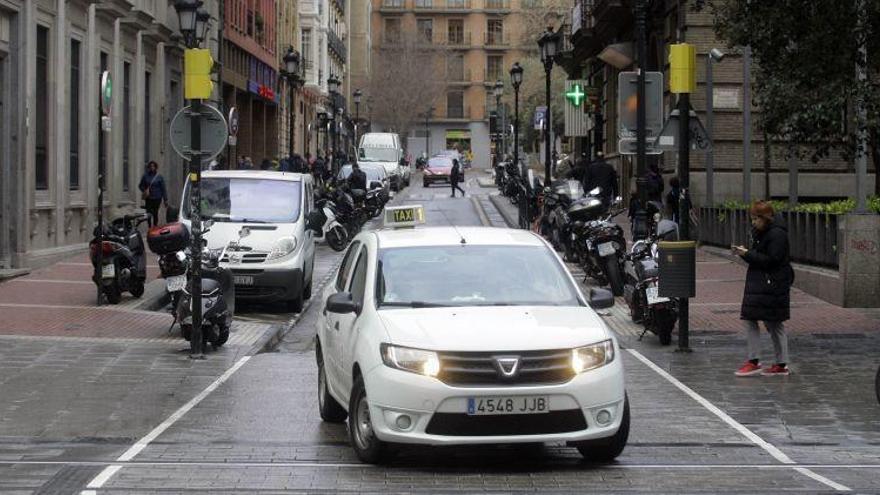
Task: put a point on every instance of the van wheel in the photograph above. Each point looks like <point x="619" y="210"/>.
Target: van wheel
<point x="607" y="449"/>
<point x="329" y="409"/>
<point x="307" y="291"/>
<point x="363" y="438"/>
<point x="295" y="305"/>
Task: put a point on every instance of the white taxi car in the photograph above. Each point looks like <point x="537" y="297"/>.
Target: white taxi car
<point x="456" y="336"/>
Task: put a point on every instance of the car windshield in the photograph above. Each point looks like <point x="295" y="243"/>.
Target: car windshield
<point x="439" y="162"/>
<point x="248" y="200"/>
<point x="377" y="155"/>
<point x="444" y="276"/>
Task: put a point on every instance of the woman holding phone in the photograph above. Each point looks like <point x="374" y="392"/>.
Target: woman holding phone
<point x="767" y="292"/>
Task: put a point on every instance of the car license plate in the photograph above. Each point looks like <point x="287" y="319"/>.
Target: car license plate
<point x="175" y="283"/>
<point x="519" y="404"/>
<point x="243" y="280"/>
<point x="653" y="297"/>
<point x="605" y="249"/>
<point x="108" y="271"/>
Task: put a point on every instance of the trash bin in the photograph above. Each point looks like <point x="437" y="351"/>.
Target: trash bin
<point x="678" y="268"/>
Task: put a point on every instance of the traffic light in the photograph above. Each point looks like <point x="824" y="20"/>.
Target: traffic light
<point x="197" y="67"/>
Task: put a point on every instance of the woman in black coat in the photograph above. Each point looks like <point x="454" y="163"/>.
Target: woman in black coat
<point x="767" y="292"/>
<point x="455" y="177"/>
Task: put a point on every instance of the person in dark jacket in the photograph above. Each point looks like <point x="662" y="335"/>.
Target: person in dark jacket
<point x="357" y="179"/>
<point x="767" y="291"/>
<point x="654" y="183"/>
<point x="455" y="177"/>
<point x="602" y="175"/>
<point x="672" y="199"/>
<point x="152" y="188"/>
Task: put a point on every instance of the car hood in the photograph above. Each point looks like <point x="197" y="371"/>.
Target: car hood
<point x="493" y="328"/>
<point x="438" y="171"/>
<point x="262" y="237"/>
<point x="390" y="167"/>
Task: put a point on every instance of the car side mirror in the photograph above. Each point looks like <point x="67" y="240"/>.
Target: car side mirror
<point x="342" y="303"/>
<point x="313" y="221"/>
<point x="601" y="298"/>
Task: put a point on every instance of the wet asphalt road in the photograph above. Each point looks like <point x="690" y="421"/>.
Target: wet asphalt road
<point x="695" y="430"/>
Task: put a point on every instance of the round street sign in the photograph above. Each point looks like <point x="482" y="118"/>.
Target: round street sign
<point x="214" y="133"/>
<point x="106" y="92"/>
<point x="233" y="121"/>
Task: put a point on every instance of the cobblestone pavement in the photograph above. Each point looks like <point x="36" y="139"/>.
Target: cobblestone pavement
<point x="116" y="418"/>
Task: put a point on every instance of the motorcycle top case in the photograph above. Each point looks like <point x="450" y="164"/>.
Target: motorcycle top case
<point x="169" y="238"/>
<point x="584" y="211"/>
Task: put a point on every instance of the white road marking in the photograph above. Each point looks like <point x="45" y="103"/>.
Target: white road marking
<point x="141" y="444"/>
<point x="754" y="438"/>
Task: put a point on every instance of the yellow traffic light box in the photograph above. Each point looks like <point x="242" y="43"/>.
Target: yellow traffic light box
<point x="682" y="68"/>
<point x="197" y="67"/>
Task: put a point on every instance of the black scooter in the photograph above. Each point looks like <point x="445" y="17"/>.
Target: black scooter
<point x="123" y="264"/>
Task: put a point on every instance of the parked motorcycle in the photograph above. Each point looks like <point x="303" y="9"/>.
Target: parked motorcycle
<point x="641" y="268"/>
<point x="122" y="257"/>
<point x="325" y="224"/>
<point x="600" y="244"/>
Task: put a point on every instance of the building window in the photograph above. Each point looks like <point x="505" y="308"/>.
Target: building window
<point x="102" y="139"/>
<point x="73" y="164"/>
<point x="392" y="4"/>
<point x="307" y="48"/>
<point x="147" y="114"/>
<point x="455" y="104"/>
<point x="494" y="67"/>
<point x="392" y="30"/>
<point x="425" y="28"/>
<point x="455" y="4"/>
<point x="424" y="4"/>
<point x="40" y="118"/>
<point x="250" y="23"/>
<point x="126" y="123"/>
<point x="494" y="32"/>
<point x="456" y="31"/>
<point x="455" y="67"/>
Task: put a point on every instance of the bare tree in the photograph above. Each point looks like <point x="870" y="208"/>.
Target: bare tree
<point x="404" y="83"/>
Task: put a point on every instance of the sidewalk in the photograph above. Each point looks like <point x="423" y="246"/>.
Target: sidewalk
<point x="716" y="308"/>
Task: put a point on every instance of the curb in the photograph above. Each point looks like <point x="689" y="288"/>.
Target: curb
<point x="509" y="220"/>
<point x="478" y="207"/>
<point x="158" y="302"/>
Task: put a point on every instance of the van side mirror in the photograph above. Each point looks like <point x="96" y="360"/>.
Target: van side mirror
<point x="601" y="298"/>
<point x="342" y="303"/>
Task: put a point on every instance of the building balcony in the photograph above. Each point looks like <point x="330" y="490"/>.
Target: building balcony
<point x="336" y="45"/>
<point x="392" y="6"/>
<point x="496" y="6"/>
<point x="461" y="77"/>
<point x="457" y="40"/>
<point x="458" y="114"/>
<point x="491" y="77"/>
<point x="442" y="6"/>
<point x="496" y="41"/>
<point x="610" y="16"/>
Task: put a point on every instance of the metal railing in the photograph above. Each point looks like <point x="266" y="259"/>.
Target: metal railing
<point x="442" y="4"/>
<point x="813" y="237"/>
<point x="336" y="44"/>
<point x="459" y="39"/>
<point x="393" y="4"/>
<point x="458" y="76"/>
<point x="496" y="4"/>
<point x="496" y="39"/>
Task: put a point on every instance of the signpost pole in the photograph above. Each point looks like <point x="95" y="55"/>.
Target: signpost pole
<point x="195" y="173"/>
<point x="639" y="218"/>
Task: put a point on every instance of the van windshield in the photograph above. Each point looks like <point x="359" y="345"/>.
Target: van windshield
<point x="377" y="155"/>
<point x="227" y="199"/>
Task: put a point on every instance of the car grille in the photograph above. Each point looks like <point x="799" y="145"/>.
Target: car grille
<point x="246" y="258"/>
<point x="480" y="368"/>
<point x="463" y="425"/>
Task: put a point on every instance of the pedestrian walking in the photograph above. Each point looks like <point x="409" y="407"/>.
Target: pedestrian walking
<point x="654" y="182"/>
<point x="153" y="191"/>
<point x="455" y="177"/>
<point x="767" y="295"/>
<point x="601" y="174"/>
<point x="672" y="199"/>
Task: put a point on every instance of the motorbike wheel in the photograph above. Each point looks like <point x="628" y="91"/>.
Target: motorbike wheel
<point x="113" y="293"/>
<point x="612" y="273"/>
<point x="664" y="322"/>
<point x="337" y="238"/>
<point x="222" y="335"/>
<point x="137" y="289"/>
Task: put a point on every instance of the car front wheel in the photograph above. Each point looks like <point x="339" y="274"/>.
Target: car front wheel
<point x="367" y="445"/>
<point x="329" y="409"/>
<point x="607" y="449"/>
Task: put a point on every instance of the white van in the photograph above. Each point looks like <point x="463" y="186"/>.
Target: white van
<point x="276" y="261"/>
<point x="384" y="148"/>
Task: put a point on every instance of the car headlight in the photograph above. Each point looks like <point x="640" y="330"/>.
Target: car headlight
<point x="413" y="360"/>
<point x="592" y="356"/>
<point x="282" y="248"/>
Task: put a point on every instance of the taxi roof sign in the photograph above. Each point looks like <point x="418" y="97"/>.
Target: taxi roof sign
<point x="404" y="216"/>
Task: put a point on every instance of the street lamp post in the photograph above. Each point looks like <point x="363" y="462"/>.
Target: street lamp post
<point x="516" y="77"/>
<point x="549" y="45"/>
<point x="428" y="113"/>
<point x="499" y="126"/>
<point x="194" y="22"/>
<point x="640" y="223"/>
<point x="358" y="94"/>
<point x="291" y="74"/>
<point x="714" y="55"/>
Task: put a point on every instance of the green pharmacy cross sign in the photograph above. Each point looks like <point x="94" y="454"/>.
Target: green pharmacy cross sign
<point x="576" y="95"/>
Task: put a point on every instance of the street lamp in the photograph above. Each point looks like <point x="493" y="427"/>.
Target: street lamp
<point x="516" y="77"/>
<point x="291" y="74"/>
<point x="356" y="97"/>
<point x="714" y="55"/>
<point x="499" y="125"/>
<point x="194" y="22"/>
<point x="549" y="44"/>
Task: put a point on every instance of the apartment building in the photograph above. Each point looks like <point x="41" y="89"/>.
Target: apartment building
<point x="479" y="41"/>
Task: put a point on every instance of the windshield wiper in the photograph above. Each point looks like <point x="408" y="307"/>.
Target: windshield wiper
<point x="413" y="304"/>
<point x="248" y="220"/>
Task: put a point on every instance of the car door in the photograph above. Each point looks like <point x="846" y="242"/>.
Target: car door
<point x="309" y="235"/>
<point x="330" y="325"/>
<point x="348" y="323"/>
